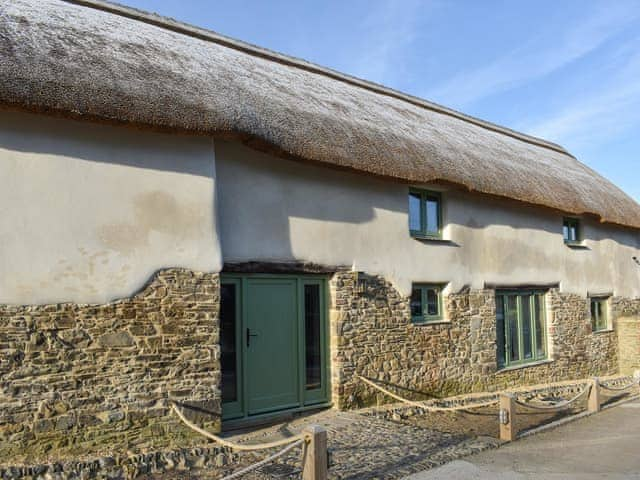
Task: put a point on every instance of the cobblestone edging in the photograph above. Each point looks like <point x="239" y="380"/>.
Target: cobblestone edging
<point x="127" y="467"/>
<point x="77" y="380"/>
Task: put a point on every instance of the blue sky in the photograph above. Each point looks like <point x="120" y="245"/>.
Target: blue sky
<point x="568" y="71"/>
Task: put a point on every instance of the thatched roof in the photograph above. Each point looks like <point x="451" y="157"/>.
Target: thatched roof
<point x="95" y="60"/>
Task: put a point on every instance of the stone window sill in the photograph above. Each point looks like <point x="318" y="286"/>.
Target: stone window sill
<point x="524" y="365"/>
<point x="436" y="240"/>
<point x="577" y="246"/>
<point x="604" y="330"/>
<point x="433" y="322"/>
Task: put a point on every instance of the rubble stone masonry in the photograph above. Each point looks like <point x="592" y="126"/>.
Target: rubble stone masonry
<point x="81" y="378"/>
<point x="372" y="335"/>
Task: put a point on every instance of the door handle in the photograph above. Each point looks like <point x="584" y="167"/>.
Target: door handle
<point x="249" y="335"/>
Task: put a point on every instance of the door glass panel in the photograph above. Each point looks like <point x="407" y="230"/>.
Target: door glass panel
<point x="512" y="322"/>
<point x="500" y="330"/>
<point x="527" y="336"/>
<point x="433" y="222"/>
<point x="228" y="358"/>
<point x="414" y="212"/>
<point x="540" y="329"/>
<point x="312" y="337"/>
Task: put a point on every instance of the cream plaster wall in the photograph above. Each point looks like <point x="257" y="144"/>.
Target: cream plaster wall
<point x="278" y="210"/>
<point x="89" y="212"/>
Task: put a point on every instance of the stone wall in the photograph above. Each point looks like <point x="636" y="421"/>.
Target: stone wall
<point x="627" y="324"/>
<point x="372" y="335"/>
<point x="628" y="329"/>
<point x="79" y="379"/>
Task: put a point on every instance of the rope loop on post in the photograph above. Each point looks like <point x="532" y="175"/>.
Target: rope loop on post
<point x="261" y="463"/>
<point x="558" y="406"/>
<point x="620" y="389"/>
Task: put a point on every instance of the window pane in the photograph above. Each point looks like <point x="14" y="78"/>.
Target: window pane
<point x="432" y="302"/>
<point x="414" y="212"/>
<point x="433" y="214"/>
<point x="527" y="336"/>
<point x="598" y="314"/>
<point x="312" y="337"/>
<point x="228" y="355"/>
<point x="573" y="233"/>
<point x="602" y="315"/>
<point x="512" y="323"/>
<point x="565" y="232"/>
<point x="540" y="327"/>
<point x="501" y="337"/>
<point x="416" y="302"/>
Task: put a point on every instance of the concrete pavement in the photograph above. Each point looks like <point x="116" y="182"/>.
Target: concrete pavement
<point x="606" y="445"/>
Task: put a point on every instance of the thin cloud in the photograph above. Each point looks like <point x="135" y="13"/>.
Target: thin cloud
<point x="600" y="114"/>
<point x="388" y="30"/>
<point x="538" y="57"/>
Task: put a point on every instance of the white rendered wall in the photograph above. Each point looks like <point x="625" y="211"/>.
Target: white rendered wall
<point x="277" y="210"/>
<point x="89" y="212"/>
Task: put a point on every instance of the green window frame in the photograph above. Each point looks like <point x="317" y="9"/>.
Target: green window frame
<point x="571" y="231"/>
<point x="425" y="213"/>
<point x="426" y="303"/>
<point x="599" y="314"/>
<point x="521" y="328"/>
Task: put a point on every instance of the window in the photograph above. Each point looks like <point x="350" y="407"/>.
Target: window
<point x="520" y="327"/>
<point x="426" y="303"/>
<point x="425" y="214"/>
<point x="571" y="230"/>
<point x="599" y="317"/>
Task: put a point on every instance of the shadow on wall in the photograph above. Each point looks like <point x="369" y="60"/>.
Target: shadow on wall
<point x="259" y="196"/>
<point x="31" y="133"/>
<point x="93" y="210"/>
<point x="490" y="211"/>
<point x="266" y="204"/>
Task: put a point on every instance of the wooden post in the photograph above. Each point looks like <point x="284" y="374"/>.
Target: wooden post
<point x="594" y="396"/>
<point x="315" y="454"/>
<point x="507" y="417"/>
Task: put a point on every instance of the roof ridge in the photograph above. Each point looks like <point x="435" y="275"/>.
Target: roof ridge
<point x="211" y="36"/>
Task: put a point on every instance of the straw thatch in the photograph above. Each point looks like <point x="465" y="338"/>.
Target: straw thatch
<point x="89" y="59"/>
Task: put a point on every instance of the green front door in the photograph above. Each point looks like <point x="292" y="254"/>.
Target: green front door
<point x="273" y="339"/>
<point x="271" y="342"/>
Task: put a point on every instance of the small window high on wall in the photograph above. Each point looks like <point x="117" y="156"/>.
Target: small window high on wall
<point x="571" y="231"/>
<point x="520" y="327"/>
<point x="425" y="214"/>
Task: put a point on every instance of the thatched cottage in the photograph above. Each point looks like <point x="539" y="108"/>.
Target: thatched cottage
<point x="185" y="216"/>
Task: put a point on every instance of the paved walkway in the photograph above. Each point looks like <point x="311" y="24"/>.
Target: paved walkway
<point x="606" y="445"/>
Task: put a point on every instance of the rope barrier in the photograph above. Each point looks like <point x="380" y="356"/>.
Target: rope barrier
<point x="261" y="463"/>
<point x="237" y="446"/>
<point x="421" y="405"/>
<point x="558" y="406"/>
<point x="619" y="389"/>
